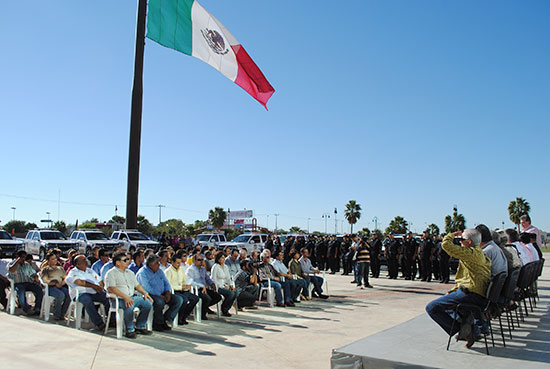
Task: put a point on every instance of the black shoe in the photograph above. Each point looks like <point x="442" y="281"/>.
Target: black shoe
<point x="131" y="335"/>
<point x="209" y="311"/>
<point x="290" y="304"/>
<point x="100" y="327"/>
<point x="226" y="313"/>
<point x="167" y="327"/>
<point x="145" y="332"/>
<point x="281" y="305"/>
<point x="323" y="296"/>
<point x="204" y="317"/>
<point x="354" y="281"/>
<point x="296" y="301"/>
<point x="182" y="322"/>
<point x="158" y="328"/>
<point x="369" y="286"/>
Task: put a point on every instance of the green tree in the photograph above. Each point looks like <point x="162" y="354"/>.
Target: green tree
<point x="397" y="225"/>
<point x="61" y="226"/>
<point x="174" y="227"/>
<point x="117" y="219"/>
<point x="18" y="226"/>
<point x="455" y="223"/>
<point x="366" y="232"/>
<point x="295" y="229"/>
<point x="352" y="213"/>
<point x="217" y="217"/>
<point x="144" y="225"/>
<point x="433" y="229"/>
<point x="87" y="225"/>
<point x="517" y="208"/>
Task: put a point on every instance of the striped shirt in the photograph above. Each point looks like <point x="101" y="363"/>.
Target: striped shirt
<point x="363" y="255"/>
<point x="23" y="273"/>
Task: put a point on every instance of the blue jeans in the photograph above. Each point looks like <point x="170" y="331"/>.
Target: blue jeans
<point x="317" y="284"/>
<point x="278" y="287"/>
<point x="88" y="299"/>
<point x="441" y="309"/>
<point x="21" y="288"/>
<point x="61" y="300"/>
<point x="144" y="307"/>
<point x="159" y="316"/>
<point x="363" y="273"/>
<point x="302" y="286"/>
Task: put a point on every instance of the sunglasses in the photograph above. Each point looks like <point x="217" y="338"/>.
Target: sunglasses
<point x="124" y="259"/>
<point x="199" y="259"/>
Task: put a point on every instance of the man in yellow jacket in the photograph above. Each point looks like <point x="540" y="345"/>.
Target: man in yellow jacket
<point x="471" y="281"/>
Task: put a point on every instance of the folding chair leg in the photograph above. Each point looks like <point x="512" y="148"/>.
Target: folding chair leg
<point x="525" y="305"/>
<point x="509" y="326"/>
<point x="491" y="329"/>
<point x="452" y="328"/>
<point x="501" y="331"/>
<point x="486" y="345"/>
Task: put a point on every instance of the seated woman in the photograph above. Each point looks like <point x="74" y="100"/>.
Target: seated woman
<point x="54" y="276"/>
<point x="222" y="279"/>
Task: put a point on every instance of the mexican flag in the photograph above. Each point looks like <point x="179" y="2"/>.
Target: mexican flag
<point x="184" y="25"/>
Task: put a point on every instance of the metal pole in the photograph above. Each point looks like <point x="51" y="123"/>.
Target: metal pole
<point x="335" y="222"/>
<point x="13" y="208"/>
<point x="160" y="213"/>
<point x="135" y="120"/>
<point x="276" y="216"/>
<point x="308" y="219"/>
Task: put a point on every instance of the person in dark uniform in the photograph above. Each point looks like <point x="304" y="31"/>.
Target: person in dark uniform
<point x="269" y="244"/>
<point x="392" y="250"/>
<point x="435" y="256"/>
<point x="426" y="246"/>
<point x="345" y="249"/>
<point x="410" y="252"/>
<point x="310" y="246"/>
<point x="321" y="252"/>
<point x="444" y="263"/>
<point x="333" y="251"/>
<point x="376" y="248"/>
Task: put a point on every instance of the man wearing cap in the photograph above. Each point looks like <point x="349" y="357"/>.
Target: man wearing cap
<point x="426" y="246"/>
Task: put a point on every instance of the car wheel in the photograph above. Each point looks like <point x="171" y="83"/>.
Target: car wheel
<point x="41" y="254"/>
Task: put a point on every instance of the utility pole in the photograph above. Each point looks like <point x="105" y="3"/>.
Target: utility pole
<point x="276" y="216"/>
<point x="267" y="222"/>
<point x="335" y="221"/>
<point x="160" y="207"/>
<point x="308" y="219"/>
<point x="325" y="216"/>
<point x="375" y="220"/>
<point x="135" y="120"/>
<point x="13" y="208"/>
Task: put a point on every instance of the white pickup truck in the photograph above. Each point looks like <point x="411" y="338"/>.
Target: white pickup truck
<point x="132" y="239"/>
<point x="89" y="238"/>
<point x="39" y="241"/>
<point x="250" y="241"/>
<point x="9" y="245"/>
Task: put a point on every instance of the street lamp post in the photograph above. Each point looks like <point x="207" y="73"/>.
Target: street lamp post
<point x="49" y="221"/>
<point x="160" y="212"/>
<point x="276" y="216"/>
<point x="13" y="208"/>
<point x="335" y="222"/>
<point x="325" y="216"/>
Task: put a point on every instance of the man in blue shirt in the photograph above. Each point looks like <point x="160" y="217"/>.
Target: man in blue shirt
<point x="138" y="257"/>
<point x="155" y="283"/>
<point x="198" y="277"/>
<point x="103" y="259"/>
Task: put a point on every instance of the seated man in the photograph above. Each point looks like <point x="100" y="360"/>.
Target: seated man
<point x="246" y="286"/>
<point x="25" y="279"/>
<point x="499" y="264"/>
<point x="267" y="272"/>
<point x="296" y="285"/>
<point x="155" y="283"/>
<point x="471" y="281"/>
<point x="4" y="283"/>
<point x="122" y="283"/>
<point x="232" y="262"/>
<point x="308" y="270"/>
<point x="198" y="277"/>
<point x="103" y="258"/>
<point x="138" y="258"/>
<point x="164" y="259"/>
<point x="89" y="286"/>
<point x="176" y="277"/>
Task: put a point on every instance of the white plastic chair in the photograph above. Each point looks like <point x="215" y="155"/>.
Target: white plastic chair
<point x="325" y="283"/>
<point x="270" y="291"/>
<point x="47" y="300"/>
<point x="75" y="309"/>
<point x="119" y="314"/>
<point x="12" y="297"/>
<point x="197" y="311"/>
<point x="166" y="307"/>
<point x="219" y="304"/>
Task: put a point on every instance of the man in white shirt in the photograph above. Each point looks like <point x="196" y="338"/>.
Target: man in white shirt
<point x="525" y="222"/>
<point x="308" y="270"/>
<point x="523" y="253"/>
<point x="89" y="286"/>
<point x="296" y="285"/>
<point x="232" y="262"/>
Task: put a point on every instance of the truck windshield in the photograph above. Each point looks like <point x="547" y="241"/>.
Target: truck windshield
<point x="203" y="237"/>
<point x="242" y="238"/>
<point x="96" y="236"/>
<point x="137" y="237"/>
<point x="5" y="235"/>
<point x="52" y="236"/>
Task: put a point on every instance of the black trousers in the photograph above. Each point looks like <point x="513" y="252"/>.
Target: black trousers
<point x="435" y="268"/>
<point x="407" y="266"/>
<point x="209" y="298"/>
<point x="247" y="297"/>
<point x="413" y="269"/>
<point x="392" y="267"/>
<point x="3" y="285"/>
<point x="375" y="266"/>
<point x="426" y="269"/>
<point x="444" y="269"/>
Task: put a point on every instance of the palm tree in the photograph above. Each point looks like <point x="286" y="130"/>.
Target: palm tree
<point x="517" y="208"/>
<point x="455" y="223"/>
<point x="217" y="217"/>
<point x="352" y="213"/>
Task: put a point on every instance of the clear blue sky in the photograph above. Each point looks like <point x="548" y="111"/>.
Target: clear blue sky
<point x="408" y="107"/>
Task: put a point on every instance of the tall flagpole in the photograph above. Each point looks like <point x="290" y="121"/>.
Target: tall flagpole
<point x="135" y="121"/>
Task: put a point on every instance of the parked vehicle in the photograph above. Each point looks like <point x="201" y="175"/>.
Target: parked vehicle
<point x="210" y="239"/>
<point x="132" y="239"/>
<point x="89" y="238"/>
<point x="9" y="245"/>
<point x="250" y="241"/>
<point x="39" y="241"/>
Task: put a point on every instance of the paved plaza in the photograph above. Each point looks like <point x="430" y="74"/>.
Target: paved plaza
<point x="301" y="337"/>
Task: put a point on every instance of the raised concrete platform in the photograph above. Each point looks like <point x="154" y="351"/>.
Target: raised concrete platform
<point x="421" y="343"/>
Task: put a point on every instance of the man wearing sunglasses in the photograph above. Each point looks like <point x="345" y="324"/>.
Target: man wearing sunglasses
<point x="122" y="282"/>
<point x="198" y="277"/>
